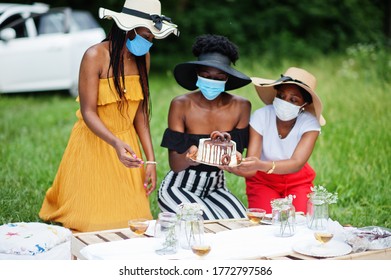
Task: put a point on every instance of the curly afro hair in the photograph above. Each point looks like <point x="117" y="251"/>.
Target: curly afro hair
<point x="216" y="43"/>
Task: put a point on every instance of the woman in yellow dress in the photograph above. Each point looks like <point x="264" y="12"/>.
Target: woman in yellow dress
<point x="102" y="180"/>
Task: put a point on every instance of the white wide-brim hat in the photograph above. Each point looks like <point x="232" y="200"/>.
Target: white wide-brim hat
<point x="300" y="77"/>
<point x="142" y="13"/>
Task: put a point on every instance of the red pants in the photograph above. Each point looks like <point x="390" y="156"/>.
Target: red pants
<point x="262" y="188"/>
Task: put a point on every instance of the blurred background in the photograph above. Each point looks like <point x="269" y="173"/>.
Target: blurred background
<point x="262" y="28"/>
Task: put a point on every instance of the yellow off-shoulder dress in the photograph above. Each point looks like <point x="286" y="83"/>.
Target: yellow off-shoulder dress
<point x="92" y="189"/>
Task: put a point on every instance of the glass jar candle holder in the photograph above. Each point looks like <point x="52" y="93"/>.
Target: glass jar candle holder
<point x="283" y="217"/>
<point x="166" y="234"/>
<point x="191" y="227"/>
<point x="317" y="212"/>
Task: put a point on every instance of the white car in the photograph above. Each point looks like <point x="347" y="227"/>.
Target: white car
<point x="41" y="48"/>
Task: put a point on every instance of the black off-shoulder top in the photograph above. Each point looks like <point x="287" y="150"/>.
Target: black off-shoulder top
<point x="181" y="142"/>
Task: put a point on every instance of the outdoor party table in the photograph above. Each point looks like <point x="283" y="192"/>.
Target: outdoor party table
<point x="231" y="239"/>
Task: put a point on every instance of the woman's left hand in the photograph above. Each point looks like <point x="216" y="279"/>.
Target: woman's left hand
<point x="150" y="178"/>
<point x="249" y="164"/>
<point x="233" y="169"/>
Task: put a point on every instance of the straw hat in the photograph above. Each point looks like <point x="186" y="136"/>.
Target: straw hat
<point x="300" y="77"/>
<point x="142" y="13"/>
<point x="186" y="73"/>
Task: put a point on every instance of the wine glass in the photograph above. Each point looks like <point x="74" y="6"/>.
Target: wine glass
<point x="323" y="237"/>
<point x="138" y="226"/>
<point x="201" y="247"/>
<point x="255" y="215"/>
<point x="201" y="250"/>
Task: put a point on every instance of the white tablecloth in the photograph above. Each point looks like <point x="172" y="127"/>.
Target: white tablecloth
<point x="245" y="243"/>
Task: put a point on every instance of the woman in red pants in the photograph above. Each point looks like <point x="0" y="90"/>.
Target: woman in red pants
<point x="282" y="137"/>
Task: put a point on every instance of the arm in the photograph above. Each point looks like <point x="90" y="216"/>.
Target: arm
<point x="141" y="124"/>
<point x="300" y="156"/>
<point x="245" y="113"/>
<point x="248" y="168"/>
<point x="88" y="94"/>
<point x="176" y="122"/>
<point x="244" y="119"/>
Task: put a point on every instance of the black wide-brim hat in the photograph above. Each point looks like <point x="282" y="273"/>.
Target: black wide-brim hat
<point x="186" y="73"/>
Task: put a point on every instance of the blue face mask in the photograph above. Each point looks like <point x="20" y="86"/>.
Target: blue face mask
<point x="210" y="88"/>
<point x="138" y="46"/>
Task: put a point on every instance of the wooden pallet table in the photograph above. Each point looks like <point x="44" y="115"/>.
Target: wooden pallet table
<point x="80" y="240"/>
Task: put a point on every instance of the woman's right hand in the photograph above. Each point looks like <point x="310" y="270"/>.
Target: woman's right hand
<point x="127" y="156"/>
<point x="192" y="155"/>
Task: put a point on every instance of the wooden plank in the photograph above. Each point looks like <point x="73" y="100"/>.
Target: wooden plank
<point x="76" y="246"/>
<point x="236" y="224"/>
<point x="297" y="256"/>
<point x="384" y="254"/>
<point x="215" y="227"/>
<point x="224" y="220"/>
<point x="90" y="239"/>
<point x="284" y="258"/>
<point x="99" y="231"/>
<point x="207" y="230"/>
<point x="126" y="234"/>
<point x="110" y="236"/>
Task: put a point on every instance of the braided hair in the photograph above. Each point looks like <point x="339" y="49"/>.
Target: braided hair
<point x="117" y="38"/>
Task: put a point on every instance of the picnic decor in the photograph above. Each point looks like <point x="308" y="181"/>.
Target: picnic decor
<point x="318" y="207"/>
<point x="166" y="234"/>
<point x="191" y="223"/>
<point x="283" y="216"/>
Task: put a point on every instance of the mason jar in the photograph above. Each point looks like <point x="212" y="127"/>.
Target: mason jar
<point x="317" y="212"/>
<point x="166" y="233"/>
<point x="191" y="227"/>
<point x="284" y="218"/>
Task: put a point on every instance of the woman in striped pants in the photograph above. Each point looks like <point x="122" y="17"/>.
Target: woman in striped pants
<point x="194" y="115"/>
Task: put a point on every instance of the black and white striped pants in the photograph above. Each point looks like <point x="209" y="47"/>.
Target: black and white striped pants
<point x="206" y="188"/>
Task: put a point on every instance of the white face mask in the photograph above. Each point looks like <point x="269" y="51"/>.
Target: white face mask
<point x="286" y="111"/>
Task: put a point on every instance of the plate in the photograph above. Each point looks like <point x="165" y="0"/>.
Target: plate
<point x="333" y="248"/>
<point x="210" y="164"/>
<point x="300" y="219"/>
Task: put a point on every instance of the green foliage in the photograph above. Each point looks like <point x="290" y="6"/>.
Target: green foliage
<point x="280" y="28"/>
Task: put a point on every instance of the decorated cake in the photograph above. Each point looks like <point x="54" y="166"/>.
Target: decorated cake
<point x="219" y="149"/>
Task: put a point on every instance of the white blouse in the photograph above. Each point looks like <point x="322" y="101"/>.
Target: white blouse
<point x="264" y="122"/>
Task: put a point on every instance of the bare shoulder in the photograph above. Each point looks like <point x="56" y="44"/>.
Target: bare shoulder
<point x="240" y="101"/>
<point x="238" y="98"/>
<point x="98" y="52"/>
<point x="182" y="100"/>
<point x="96" y="59"/>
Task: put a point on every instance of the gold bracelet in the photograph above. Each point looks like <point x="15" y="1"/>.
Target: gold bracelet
<point x="271" y="170"/>
<point x="151" y="162"/>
